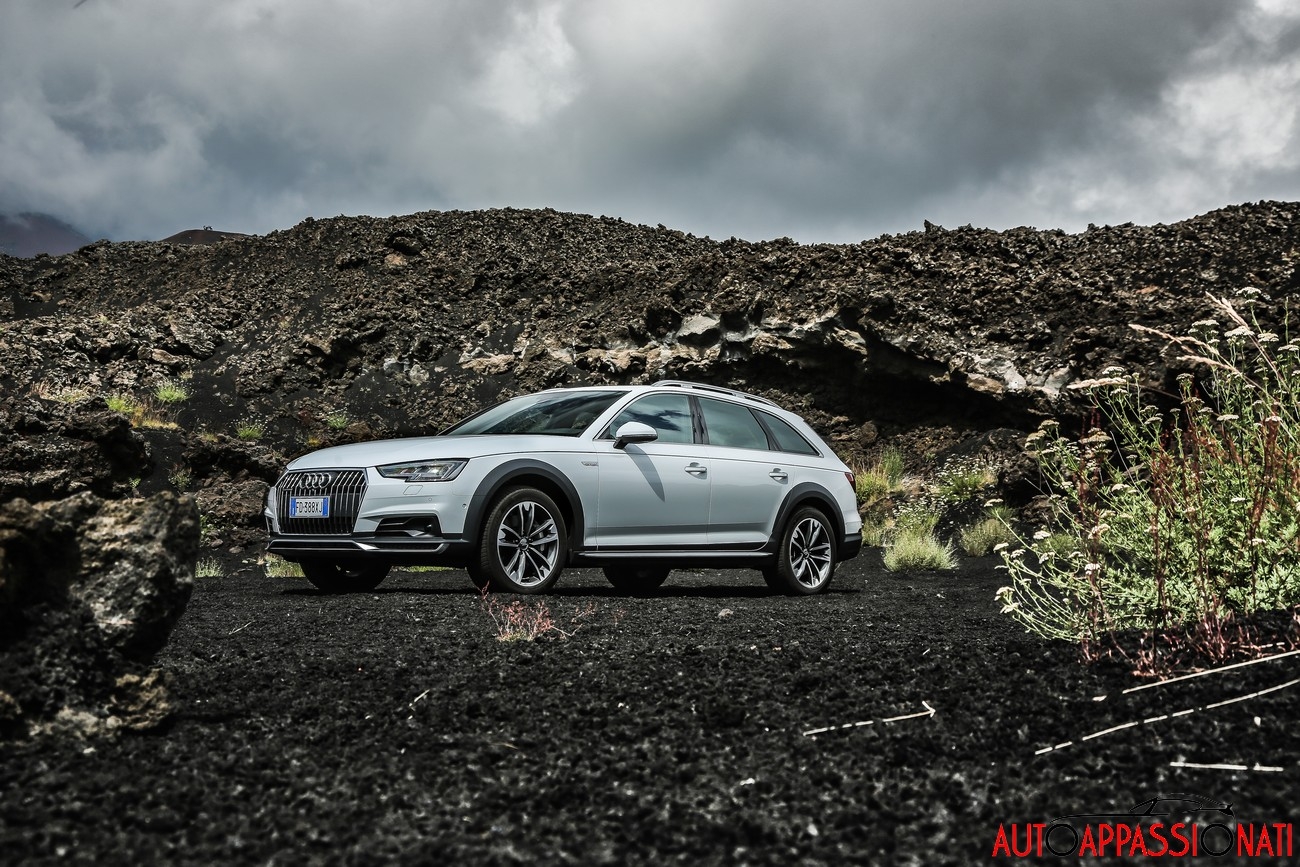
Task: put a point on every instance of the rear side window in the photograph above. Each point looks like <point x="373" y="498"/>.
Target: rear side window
<point x="730" y="424"/>
<point x="669" y="414"/>
<point x="787" y="438"/>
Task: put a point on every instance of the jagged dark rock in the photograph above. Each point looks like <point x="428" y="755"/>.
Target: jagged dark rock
<point x="50" y="449"/>
<point x="89" y="591"/>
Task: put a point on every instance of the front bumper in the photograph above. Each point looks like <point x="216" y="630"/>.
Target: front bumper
<point x="387" y="549"/>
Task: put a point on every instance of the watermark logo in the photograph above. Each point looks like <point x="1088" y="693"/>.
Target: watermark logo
<point x="1173" y="826"/>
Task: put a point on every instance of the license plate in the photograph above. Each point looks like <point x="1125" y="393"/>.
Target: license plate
<point x="309" y="507"/>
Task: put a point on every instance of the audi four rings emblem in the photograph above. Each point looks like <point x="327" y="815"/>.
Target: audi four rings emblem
<point x="313" y="480"/>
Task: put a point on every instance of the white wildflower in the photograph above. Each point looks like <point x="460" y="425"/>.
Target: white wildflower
<point x="996" y="501"/>
<point x="1090" y="568"/>
<point x="1268" y="337"/>
<point x="1237" y="500"/>
<point x="1000" y="547"/>
<point x="1239" y="332"/>
<point x="1119" y="488"/>
<point x="1041" y="535"/>
<point x="1227" y="416"/>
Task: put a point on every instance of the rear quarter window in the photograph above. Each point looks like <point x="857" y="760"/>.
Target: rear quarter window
<point x="787" y="438"/>
<point x="729" y="424"/>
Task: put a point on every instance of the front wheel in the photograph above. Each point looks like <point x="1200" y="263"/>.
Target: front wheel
<point x="636" y="580"/>
<point x="331" y="577"/>
<point x="805" y="559"/>
<point x="524" y="545"/>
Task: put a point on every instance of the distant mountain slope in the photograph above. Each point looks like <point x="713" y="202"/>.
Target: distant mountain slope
<point x="198" y="237"/>
<point x="27" y="235"/>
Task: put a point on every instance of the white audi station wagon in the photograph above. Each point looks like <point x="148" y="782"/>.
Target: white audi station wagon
<point x="638" y="480"/>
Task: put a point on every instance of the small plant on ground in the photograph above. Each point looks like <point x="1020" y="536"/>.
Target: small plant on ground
<point x="912" y="545"/>
<point x="337" y="420"/>
<point x="123" y="403"/>
<point x="208" y="567"/>
<point x="963" y="479"/>
<point x="250" y="429"/>
<point x="276" y="566"/>
<point x="516" y="620"/>
<point x="61" y="393"/>
<point x="1172" y="522"/>
<point x="171" y="391"/>
<point x="912" y="551"/>
<point x="882" y="479"/>
<point x="994" y="529"/>
<point x="180" y="477"/>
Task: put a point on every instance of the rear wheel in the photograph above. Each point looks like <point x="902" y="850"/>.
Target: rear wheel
<point x="805" y="560"/>
<point x="332" y="577"/>
<point x="636" y="580"/>
<point x="524" y="545"/>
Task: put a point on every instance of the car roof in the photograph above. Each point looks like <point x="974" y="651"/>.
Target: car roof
<point x="664" y="384"/>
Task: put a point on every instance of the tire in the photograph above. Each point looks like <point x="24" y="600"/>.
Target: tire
<point x="636" y="579"/>
<point x="332" y="577"/>
<point x="524" y="545"/>
<point x="805" y="558"/>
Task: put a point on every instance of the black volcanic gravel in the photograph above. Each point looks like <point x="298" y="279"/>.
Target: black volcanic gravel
<point x="394" y="727"/>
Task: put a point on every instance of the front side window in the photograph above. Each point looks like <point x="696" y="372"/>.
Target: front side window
<point x="729" y="424"/>
<point x="669" y="414"/>
<point x="556" y="414"/>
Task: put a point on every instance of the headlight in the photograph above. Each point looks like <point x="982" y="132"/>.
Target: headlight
<point x="423" y="471"/>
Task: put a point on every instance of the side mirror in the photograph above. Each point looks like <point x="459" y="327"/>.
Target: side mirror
<point x="634" y="432"/>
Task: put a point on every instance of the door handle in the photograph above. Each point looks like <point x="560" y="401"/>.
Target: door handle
<point x="696" y="469"/>
<point x="778" y="475"/>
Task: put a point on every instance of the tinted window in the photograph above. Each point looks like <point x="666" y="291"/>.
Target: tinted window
<point x="787" y="438"/>
<point x="669" y="414"/>
<point x="729" y="424"/>
<point x="557" y="414"/>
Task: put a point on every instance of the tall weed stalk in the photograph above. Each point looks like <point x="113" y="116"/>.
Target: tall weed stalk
<point x="1178" y="520"/>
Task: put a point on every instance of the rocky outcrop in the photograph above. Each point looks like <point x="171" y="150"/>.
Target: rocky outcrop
<point x="50" y="449"/>
<point x="360" y="327"/>
<point x="89" y="591"/>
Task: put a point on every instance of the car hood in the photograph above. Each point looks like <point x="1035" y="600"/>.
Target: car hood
<point x="396" y="451"/>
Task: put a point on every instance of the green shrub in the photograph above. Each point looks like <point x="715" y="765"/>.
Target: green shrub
<point x="208" y="567"/>
<point x="870" y="486"/>
<point x="278" y="567"/>
<point x="913" y="550"/>
<point x="250" y="429"/>
<point x="985" y="535"/>
<point x="180" y="477"/>
<point x="919" y="516"/>
<point x="964" y="479"/>
<point x="171" y="391"/>
<point x="875" y="530"/>
<point x="891" y="467"/>
<point x="882" y="479"/>
<point x="337" y="420"/>
<point x="123" y="403"/>
<point x="1167" y="520"/>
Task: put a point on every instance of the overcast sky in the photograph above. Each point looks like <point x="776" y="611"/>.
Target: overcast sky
<point x="822" y="121"/>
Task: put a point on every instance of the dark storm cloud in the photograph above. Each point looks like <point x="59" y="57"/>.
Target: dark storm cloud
<point x="824" y="120"/>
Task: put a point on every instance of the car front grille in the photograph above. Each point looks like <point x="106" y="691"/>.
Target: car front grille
<point x="345" y="489"/>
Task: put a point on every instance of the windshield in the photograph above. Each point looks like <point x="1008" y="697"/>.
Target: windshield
<point x="564" y="414"/>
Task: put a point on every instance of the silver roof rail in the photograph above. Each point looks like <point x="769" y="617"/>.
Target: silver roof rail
<point x="681" y="383"/>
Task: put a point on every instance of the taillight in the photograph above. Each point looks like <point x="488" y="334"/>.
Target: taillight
<point x="853" y="483"/>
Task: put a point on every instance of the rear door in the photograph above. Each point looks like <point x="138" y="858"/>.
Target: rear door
<point x="749" y="480"/>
